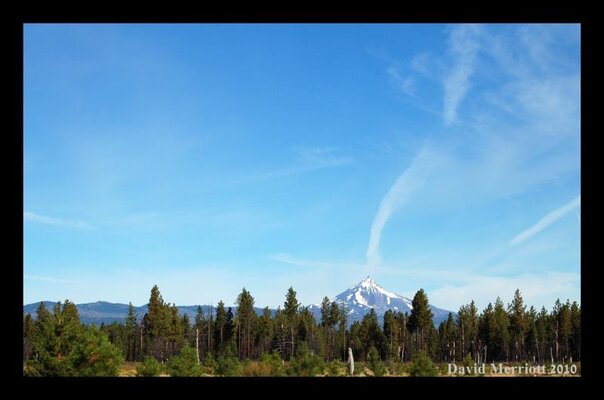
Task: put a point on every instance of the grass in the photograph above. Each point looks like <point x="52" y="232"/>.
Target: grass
<point x="337" y="368"/>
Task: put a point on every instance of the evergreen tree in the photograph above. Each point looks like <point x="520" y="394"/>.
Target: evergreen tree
<point x="290" y="311"/>
<point x="67" y="327"/>
<point x="131" y="331"/>
<point x="564" y="329"/>
<point x="219" y="325"/>
<point x="420" y="319"/>
<point x="149" y="367"/>
<point x="44" y="360"/>
<point x="422" y="365"/>
<point x="372" y="335"/>
<point x="341" y="343"/>
<point x="156" y="326"/>
<point x="175" y="331"/>
<point x="374" y="362"/>
<point x="391" y="331"/>
<point x="448" y="337"/>
<point x="501" y="332"/>
<point x="199" y="327"/>
<point x="185" y="363"/>
<point x="245" y="322"/>
<point x="264" y="331"/>
<point x="487" y="333"/>
<point x="355" y="339"/>
<point x="531" y="341"/>
<point x="94" y="355"/>
<point x="28" y="333"/>
<point x="186" y="328"/>
<point x="518" y="324"/>
<point x="326" y="324"/>
<point x="575" y="318"/>
<point x="229" y="330"/>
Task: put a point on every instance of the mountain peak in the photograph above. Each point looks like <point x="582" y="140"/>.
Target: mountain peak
<point x="367" y="295"/>
<point x="367" y="282"/>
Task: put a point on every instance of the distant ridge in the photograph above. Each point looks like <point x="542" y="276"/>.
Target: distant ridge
<point x="358" y="300"/>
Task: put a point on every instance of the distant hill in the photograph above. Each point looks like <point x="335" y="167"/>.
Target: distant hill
<point x="107" y="313"/>
<point x="358" y="300"/>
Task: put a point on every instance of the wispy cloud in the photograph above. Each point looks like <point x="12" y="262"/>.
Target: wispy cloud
<point x="405" y="83"/>
<point x="408" y="182"/>
<point x="546" y="221"/>
<point x="307" y="159"/>
<point x="536" y="289"/>
<point x="49" y="279"/>
<point x="43" y="219"/>
<point x="463" y="48"/>
<point x="300" y="262"/>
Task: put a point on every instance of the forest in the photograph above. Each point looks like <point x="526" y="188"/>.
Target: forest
<point x="236" y="341"/>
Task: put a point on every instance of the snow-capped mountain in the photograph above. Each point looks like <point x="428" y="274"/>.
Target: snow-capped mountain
<point x="367" y="295"/>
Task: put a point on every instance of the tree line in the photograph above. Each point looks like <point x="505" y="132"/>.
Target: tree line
<point x="291" y="341"/>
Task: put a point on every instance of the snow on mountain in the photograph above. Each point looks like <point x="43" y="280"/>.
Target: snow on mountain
<point x="358" y="300"/>
<point x="367" y="295"/>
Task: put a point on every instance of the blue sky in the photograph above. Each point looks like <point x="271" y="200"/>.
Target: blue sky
<point x="207" y="158"/>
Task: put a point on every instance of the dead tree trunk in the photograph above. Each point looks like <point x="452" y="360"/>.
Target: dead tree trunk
<point x="197" y="344"/>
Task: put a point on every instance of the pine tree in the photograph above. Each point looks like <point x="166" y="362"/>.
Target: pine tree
<point x="185" y="323"/>
<point x="531" y="342"/>
<point x="131" y="331"/>
<point x="390" y="330"/>
<point x="290" y="311"/>
<point x="264" y="331"/>
<point x="28" y="333"/>
<point x="575" y="317"/>
<point x="156" y="326"/>
<point x="326" y="324"/>
<point x="94" y="355"/>
<point x="45" y="348"/>
<point x="245" y="321"/>
<point x="341" y="334"/>
<point x="67" y="327"/>
<point x="448" y="336"/>
<point x="185" y="363"/>
<point x="518" y="324"/>
<point x="229" y="329"/>
<point x="355" y="338"/>
<point x="372" y="335"/>
<point x="563" y="318"/>
<point x="334" y="318"/>
<point x="542" y="337"/>
<point x="420" y="319"/>
<point x="501" y="332"/>
<point x="374" y="362"/>
<point x="199" y="332"/>
<point x="175" y="331"/>
<point x="219" y="323"/>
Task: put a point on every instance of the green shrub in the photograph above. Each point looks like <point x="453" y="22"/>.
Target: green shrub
<point x="255" y="368"/>
<point x="275" y="362"/>
<point x="422" y="365"/>
<point x="94" y="355"/>
<point x="396" y="367"/>
<point x="305" y="363"/>
<point x="468" y="362"/>
<point x="185" y="363"/>
<point x="374" y="362"/>
<point x="209" y="365"/>
<point x="229" y="366"/>
<point x="149" y="367"/>
<point x="337" y="368"/>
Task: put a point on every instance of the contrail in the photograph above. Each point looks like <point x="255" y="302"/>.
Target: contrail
<point x="408" y="182"/>
<point x="546" y="221"/>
